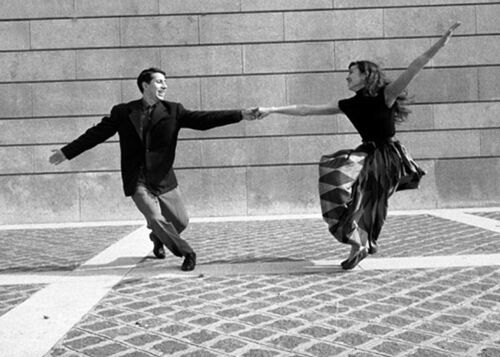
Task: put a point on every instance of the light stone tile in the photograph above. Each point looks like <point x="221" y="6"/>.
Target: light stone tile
<point x="38" y="199"/>
<point x="16" y="160"/>
<point x="275" y="190"/>
<point x="466" y="115"/>
<point x="445" y="85"/>
<point x="316" y="88"/>
<point x="393" y="53"/>
<point x="436" y="144"/>
<point x="198" y="6"/>
<point x="202" y="61"/>
<point x="294" y="57"/>
<point x="214" y="192"/>
<point x="242" y="92"/>
<point x="240" y="152"/>
<point x="487" y="18"/>
<point x="428" y="21"/>
<point x="32" y="9"/>
<point x="238" y="28"/>
<point x="490" y="142"/>
<point x="488" y="83"/>
<point x="75" y="98"/>
<point x="115" y="63"/>
<point x="332" y="25"/>
<point x="74" y="33"/>
<point x="37" y="66"/>
<point x="15" y="100"/>
<point x="474" y="176"/>
<point x="15" y="35"/>
<point x="273" y="5"/>
<point x="115" y="7"/>
<point x="159" y="30"/>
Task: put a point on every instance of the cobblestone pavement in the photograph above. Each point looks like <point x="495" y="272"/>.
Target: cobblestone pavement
<point x="12" y="295"/>
<point x="442" y="312"/>
<point x="402" y="236"/>
<point x="492" y="215"/>
<point x="412" y="312"/>
<point x="51" y="249"/>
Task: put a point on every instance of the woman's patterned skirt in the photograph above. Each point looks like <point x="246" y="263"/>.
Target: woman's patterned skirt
<point x="355" y="186"/>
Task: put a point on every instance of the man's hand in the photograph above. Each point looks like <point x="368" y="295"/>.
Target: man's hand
<point x="251" y="114"/>
<point x="57" y="157"/>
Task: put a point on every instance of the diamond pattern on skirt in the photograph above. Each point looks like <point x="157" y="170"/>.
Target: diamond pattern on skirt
<point x="337" y="174"/>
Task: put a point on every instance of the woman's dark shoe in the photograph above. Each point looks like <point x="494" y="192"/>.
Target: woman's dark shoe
<point x="158" y="249"/>
<point x="373" y="248"/>
<point x="352" y="262"/>
<point x="189" y="262"/>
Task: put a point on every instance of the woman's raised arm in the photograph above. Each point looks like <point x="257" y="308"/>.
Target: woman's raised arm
<point x="394" y="89"/>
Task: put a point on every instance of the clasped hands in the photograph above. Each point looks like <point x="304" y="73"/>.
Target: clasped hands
<point x="255" y="113"/>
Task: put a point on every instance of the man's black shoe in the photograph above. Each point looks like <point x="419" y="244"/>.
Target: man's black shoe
<point x="189" y="262"/>
<point x="158" y="249"/>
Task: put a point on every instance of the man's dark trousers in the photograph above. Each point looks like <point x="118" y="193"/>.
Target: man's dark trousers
<point x="166" y="216"/>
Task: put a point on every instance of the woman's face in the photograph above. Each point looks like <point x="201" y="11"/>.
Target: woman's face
<point x="355" y="79"/>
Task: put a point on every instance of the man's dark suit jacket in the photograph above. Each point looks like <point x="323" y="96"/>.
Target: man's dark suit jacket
<point x="155" y="152"/>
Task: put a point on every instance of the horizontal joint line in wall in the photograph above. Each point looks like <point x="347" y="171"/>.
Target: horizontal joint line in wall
<point x="125" y="47"/>
<point x="404" y="6"/>
<point x="201" y="14"/>
<point x="100" y="115"/>
<point x="274" y="136"/>
<point x="479" y="157"/>
<point x="457" y="102"/>
<point x="50" y="117"/>
<point x="180" y="14"/>
<point x="256" y="74"/>
<point x="58" y="173"/>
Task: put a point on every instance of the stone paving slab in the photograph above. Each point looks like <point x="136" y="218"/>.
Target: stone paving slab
<point x="436" y="312"/>
<point x="55" y="249"/>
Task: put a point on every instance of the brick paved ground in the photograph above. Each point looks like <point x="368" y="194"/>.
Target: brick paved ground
<point x="402" y="236"/>
<point x="13" y="295"/>
<point x="56" y="248"/>
<point x="410" y="313"/>
<point x="440" y="312"/>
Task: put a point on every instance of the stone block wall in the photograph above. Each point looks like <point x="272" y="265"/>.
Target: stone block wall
<point x="65" y="63"/>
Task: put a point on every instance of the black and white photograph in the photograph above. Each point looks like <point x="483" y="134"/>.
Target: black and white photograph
<point x="250" y="178"/>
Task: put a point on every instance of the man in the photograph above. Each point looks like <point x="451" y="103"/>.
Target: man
<point x="148" y="129"/>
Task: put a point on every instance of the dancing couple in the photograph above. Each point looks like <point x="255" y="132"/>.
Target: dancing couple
<point x="355" y="184"/>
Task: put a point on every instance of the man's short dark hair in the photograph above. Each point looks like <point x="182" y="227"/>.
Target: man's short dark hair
<point x="147" y="75"/>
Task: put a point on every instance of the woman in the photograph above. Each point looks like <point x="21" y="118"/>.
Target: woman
<point x="355" y="185"/>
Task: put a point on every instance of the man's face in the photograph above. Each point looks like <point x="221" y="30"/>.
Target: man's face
<point x="156" y="89"/>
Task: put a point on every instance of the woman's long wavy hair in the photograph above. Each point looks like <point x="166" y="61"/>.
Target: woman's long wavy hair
<point x="375" y="81"/>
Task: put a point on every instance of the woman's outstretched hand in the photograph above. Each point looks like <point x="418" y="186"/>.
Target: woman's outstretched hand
<point x="263" y="112"/>
<point x="449" y="32"/>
